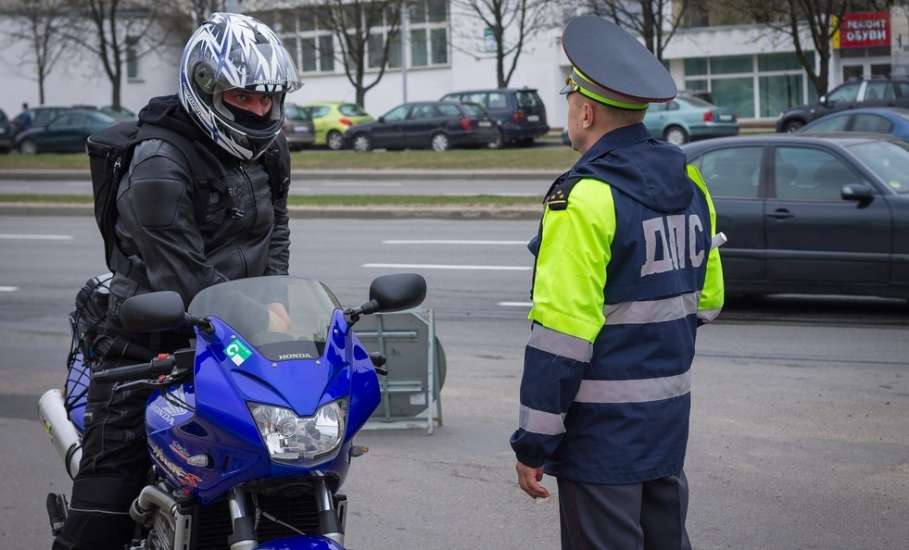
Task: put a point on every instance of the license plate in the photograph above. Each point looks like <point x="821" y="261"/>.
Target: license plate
<point x="533" y="118"/>
<point x="301" y="129"/>
<point x="485" y="124"/>
<point x="725" y="118"/>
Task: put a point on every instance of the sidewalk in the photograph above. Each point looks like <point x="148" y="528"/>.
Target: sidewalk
<point x="347" y="175"/>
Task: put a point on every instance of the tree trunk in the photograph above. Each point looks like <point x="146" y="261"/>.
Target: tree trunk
<point x="41" y="89"/>
<point x="116" y="86"/>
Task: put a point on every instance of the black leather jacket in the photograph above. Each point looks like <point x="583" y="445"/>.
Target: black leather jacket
<point x="243" y="233"/>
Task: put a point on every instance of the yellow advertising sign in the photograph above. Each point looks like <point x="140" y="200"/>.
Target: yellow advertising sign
<point x="835" y="24"/>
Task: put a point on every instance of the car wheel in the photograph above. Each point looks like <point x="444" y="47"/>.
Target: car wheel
<point x="440" y="142"/>
<point x="675" y="135"/>
<point x="362" y="143"/>
<point x="498" y="143"/>
<point x="28" y="147"/>
<point x="334" y="140"/>
<point x="792" y="126"/>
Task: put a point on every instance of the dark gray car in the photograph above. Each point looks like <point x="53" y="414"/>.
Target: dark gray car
<point x="811" y="214"/>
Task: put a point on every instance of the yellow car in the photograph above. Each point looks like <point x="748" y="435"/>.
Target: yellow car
<point x="332" y="119"/>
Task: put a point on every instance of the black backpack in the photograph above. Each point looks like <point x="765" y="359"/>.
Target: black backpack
<point x="110" y="153"/>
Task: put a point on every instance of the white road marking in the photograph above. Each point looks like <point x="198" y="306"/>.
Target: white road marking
<point x="515" y="304"/>
<point x="8" y="288"/>
<point x="450" y="267"/>
<point x="13" y="237"/>
<point x="450" y="241"/>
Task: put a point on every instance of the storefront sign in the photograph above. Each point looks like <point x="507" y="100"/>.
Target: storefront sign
<point x="863" y="30"/>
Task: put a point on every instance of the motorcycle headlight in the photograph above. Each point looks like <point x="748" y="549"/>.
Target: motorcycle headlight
<point x="303" y="440"/>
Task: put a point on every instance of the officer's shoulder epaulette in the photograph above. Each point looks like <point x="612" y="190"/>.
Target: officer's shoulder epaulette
<point x="557" y="199"/>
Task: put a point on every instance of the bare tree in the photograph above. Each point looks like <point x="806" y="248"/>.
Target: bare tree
<point x="655" y="21"/>
<point x="354" y="23"/>
<point x="114" y="30"/>
<point x="201" y="9"/>
<point x="40" y="24"/>
<point x="512" y="23"/>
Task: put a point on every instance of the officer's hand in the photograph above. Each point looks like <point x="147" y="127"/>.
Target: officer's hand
<point x="529" y="480"/>
<point x="278" y="318"/>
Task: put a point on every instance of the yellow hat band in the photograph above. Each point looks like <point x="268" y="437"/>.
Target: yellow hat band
<point x="590" y="89"/>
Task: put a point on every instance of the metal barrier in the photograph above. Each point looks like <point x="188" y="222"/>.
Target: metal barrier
<point x="411" y="393"/>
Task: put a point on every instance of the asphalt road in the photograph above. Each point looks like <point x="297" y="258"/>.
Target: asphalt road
<point x="799" y="436"/>
<point x="302" y="185"/>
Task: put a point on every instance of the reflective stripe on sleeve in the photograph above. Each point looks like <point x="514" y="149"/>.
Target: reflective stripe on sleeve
<point x="541" y="422"/>
<point x="561" y="344"/>
<point x="708" y="315"/>
<point x="652" y="311"/>
<point x="633" y="391"/>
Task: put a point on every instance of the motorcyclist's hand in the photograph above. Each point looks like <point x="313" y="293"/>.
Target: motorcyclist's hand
<point x="278" y="318"/>
<point x="529" y="480"/>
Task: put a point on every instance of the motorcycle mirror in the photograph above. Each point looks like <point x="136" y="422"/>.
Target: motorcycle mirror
<point x="153" y="312"/>
<point x="396" y="292"/>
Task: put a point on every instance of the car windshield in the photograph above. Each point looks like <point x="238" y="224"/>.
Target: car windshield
<point x="351" y="109"/>
<point x="474" y="110"/>
<point x="527" y="99"/>
<point x="888" y="160"/>
<point x="247" y="305"/>
<point x="696" y="102"/>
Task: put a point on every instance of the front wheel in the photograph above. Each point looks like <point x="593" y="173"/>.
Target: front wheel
<point x="440" y="142"/>
<point x="362" y="143"/>
<point x="675" y="135"/>
<point x="334" y="140"/>
<point x="28" y="147"/>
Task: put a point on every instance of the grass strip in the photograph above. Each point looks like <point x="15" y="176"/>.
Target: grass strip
<point x="532" y="158"/>
<point x="325" y="200"/>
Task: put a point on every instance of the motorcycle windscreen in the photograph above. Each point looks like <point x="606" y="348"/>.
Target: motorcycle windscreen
<point x="284" y="318"/>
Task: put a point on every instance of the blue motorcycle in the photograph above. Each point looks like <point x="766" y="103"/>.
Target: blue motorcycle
<point x="251" y="431"/>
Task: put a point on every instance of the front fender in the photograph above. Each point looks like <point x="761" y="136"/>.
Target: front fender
<point x="301" y="543"/>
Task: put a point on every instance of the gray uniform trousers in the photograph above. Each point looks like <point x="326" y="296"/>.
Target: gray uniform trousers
<point x="640" y="516"/>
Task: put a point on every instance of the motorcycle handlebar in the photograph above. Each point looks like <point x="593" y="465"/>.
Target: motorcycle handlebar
<point x="153" y="369"/>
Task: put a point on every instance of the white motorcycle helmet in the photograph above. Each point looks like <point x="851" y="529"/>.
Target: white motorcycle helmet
<point x="231" y="51"/>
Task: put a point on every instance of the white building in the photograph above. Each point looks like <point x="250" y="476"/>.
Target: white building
<point x="746" y="67"/>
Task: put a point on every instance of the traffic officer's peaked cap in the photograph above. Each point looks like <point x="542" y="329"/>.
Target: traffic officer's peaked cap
<point x="612" y="67"/>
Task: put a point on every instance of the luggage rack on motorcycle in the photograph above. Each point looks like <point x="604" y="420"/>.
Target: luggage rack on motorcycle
<point x="411" y="393"/>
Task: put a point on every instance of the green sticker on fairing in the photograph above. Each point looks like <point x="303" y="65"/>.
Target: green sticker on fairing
<point x="237" y="352"/>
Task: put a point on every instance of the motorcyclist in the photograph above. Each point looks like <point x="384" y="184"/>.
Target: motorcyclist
<point x="234" y="75"/>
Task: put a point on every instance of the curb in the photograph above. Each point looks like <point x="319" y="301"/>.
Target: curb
<point x="320" y="212"/>
<point x="344" y="175"/>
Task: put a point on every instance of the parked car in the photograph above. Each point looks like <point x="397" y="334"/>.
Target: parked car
<point x="880" y="120"/>
<point x="813" y="214"/>
<point x="64" y="134"/>
<point x="439" y="125"/>
<point x="6" y="133"/>
<point x="40" y="116"/>
<point x="878" y="92"/>
<point x="298" y="127"/>
<point x="519" y="112"/>
<point x="688" y="118"/>
<point x="332" y="119"/>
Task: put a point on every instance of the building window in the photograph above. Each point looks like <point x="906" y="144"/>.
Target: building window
<point x="429" y="33"/>
<point x="132" y="58"/>
<point x="753" y="85"/>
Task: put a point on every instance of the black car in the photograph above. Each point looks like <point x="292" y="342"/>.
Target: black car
<point x="519" y="112"/>
<point x="813" y="214"/>
<point x="879" y="92"/>
<point x="40" y="116"/>
<point x="6" y="133"/>
<point x="64" y="134"/>
<point x="437" y="125"/>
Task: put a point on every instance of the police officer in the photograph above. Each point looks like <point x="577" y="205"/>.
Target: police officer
<point x="177" y="231"/>
<point x="625" y="272"/>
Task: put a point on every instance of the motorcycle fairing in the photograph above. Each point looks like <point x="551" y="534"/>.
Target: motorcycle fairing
<point x="301" y="543"/>
<point x="221" y="427"/>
